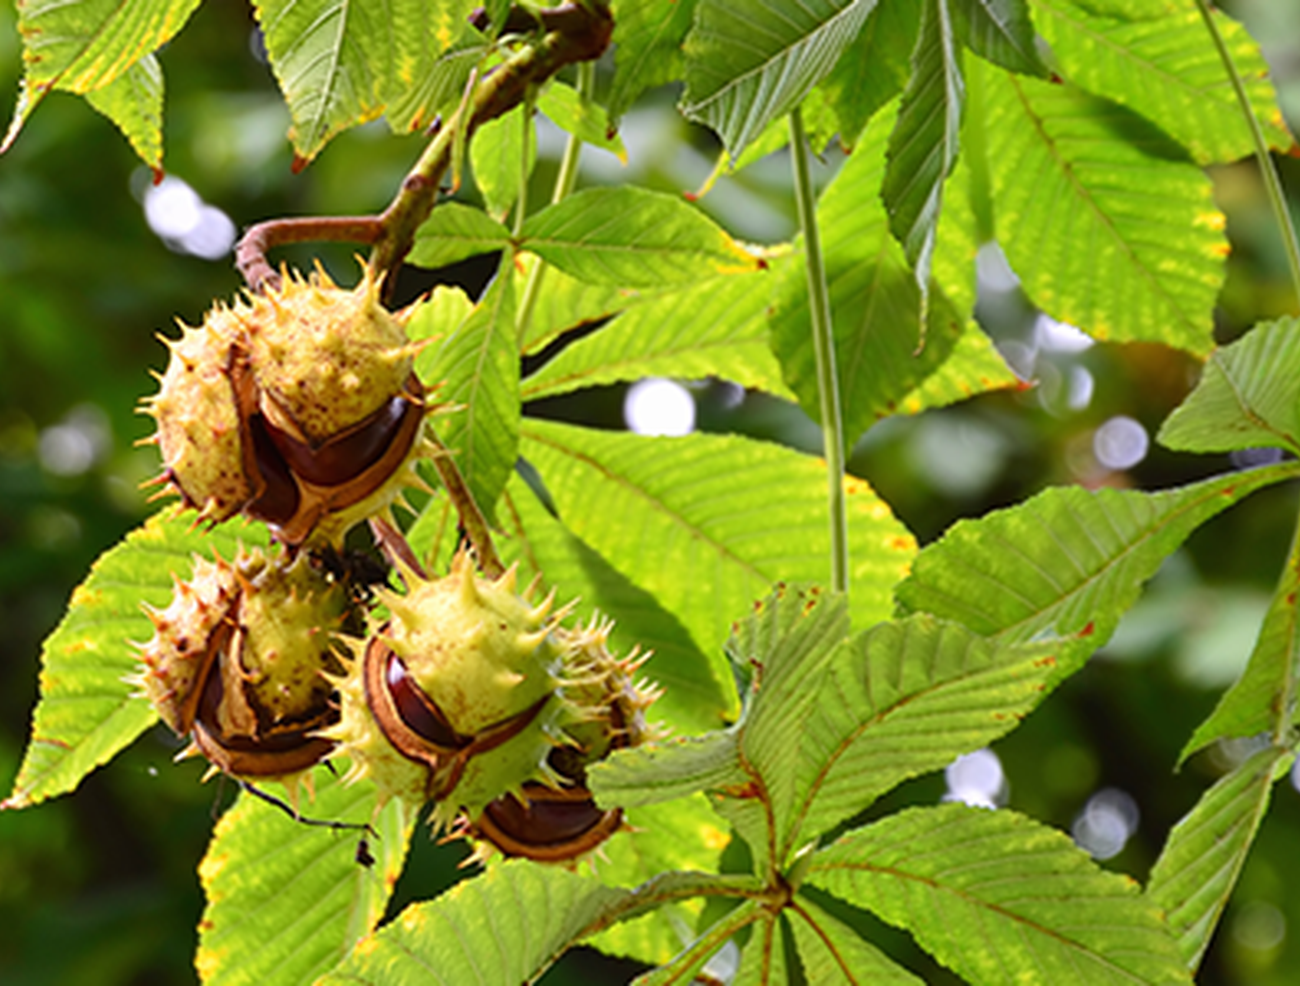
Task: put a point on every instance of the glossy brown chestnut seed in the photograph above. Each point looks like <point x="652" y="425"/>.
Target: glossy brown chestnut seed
<point x="549" y="826"/>
<point x="345" y="455"/>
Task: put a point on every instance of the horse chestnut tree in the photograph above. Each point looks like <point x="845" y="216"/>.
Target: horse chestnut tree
<point x="679" y="763"/>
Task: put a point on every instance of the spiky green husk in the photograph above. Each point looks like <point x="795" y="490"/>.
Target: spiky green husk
<point x="480" y="651"/>
<point x="323" y="357"/>
<point x="176" y="660"/>
<point x="199" y="425"/>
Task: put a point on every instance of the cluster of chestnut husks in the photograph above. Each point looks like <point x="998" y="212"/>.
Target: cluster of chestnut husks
<point x="300" y="409"/>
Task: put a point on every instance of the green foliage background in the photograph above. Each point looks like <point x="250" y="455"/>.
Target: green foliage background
<point x="84" y="286"/>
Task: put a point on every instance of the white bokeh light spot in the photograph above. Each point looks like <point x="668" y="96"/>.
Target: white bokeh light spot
<point x="976" y="779"/>
<point x="183" y="221"/>
<point x="1120" y="443"/>
<point x="1103" y="828"/>
<point x="659" y="407"/>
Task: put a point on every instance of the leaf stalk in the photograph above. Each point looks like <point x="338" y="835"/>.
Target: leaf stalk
<point x="828" y="387"/>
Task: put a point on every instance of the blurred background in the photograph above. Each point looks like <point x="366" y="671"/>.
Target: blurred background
<point x="100" y="887"/>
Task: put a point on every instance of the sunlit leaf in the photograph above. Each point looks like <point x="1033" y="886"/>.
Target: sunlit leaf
<point x="87" y="712"/>
<point x="1068" y="561"/>
<point x="669" y="768"/>
<point x="749" y="63"/>
<point x="288" y="901"/>
<point x="695" y="698"/>
<point x="478" y="364"/>
<point x="648" y="38"/>
<point x="1118" y="237"/>
<point x="632" y="237"/>
<point x="902" y="699"/>
<point x="568" y="302"/>
<point x="874" y="68"/>
<point x="331" y="59"/>
<point x="924" y="143"/>
<point x="876" y="305"/>
<point x="497" y="154"/>
<point x="1170" y="71"/>
<point x="1253" y="704"/>
<point x="431" y="65"/>
<point x="1198" y="868"/>
<point x="456" y="232"/>
<point x="505" y="926"/>
<point x="134" y="102"/>
<point x="832" y="953"/>
<point x="1038" y="907"/>
<point x="1248" y="395"/>
<point x="584" y="119"/>
<point x="1000" y="31"/>
<point x="81" y="47"/>
<point x="692" y="521"/>
<point x="717" y="328"/>
<point x="762" y="962"/>
<point x="683" y="835"/>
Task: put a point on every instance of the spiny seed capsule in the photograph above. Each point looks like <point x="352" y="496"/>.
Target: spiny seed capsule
<point x="474" y="699"/>
<point x="299" y="408"/>
<point x="239" y="661"/>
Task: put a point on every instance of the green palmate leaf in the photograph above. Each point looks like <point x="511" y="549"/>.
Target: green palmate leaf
<point x="923" y="145"/>
<point x="1262" y="699"/>
<point x="455" y="232"/>
<point x="692" y="521"/>
<point x="717" y="328"/>
<point x="666" y="769"/>
<point x="1000" y="31"/>
<point x="288" y="901"/>
<point x="633" y="237"/>
<point x="1248" y="395"/>
<point x="134" y="101"/>
<point x="876" y="305"/>
<point x="505" y="926"/>
<point x="431" y="65"/>
<point x="874" y="68"/>
<point x="1169" y="71"/>
<point x="749" y="63"/>
<point x="87" y="711"/>
<point x="1040" y="910"/>
<point x="1199" y="866"/>
<point x="1068" y="561"/>
<point x="496" y="154"/>
<point x="695" y="698"/>
<point x="1107" y="229"/>
<point x="479" y="362"/>
<point x="584" y="119"/>
<point x="820" y="125"/>
<point x="832" y="953"/>
<point x="684" y="835"/>
<point x="83" y="47"/>
<point x="648" y="38"/>
<point x="903" y="699"/>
